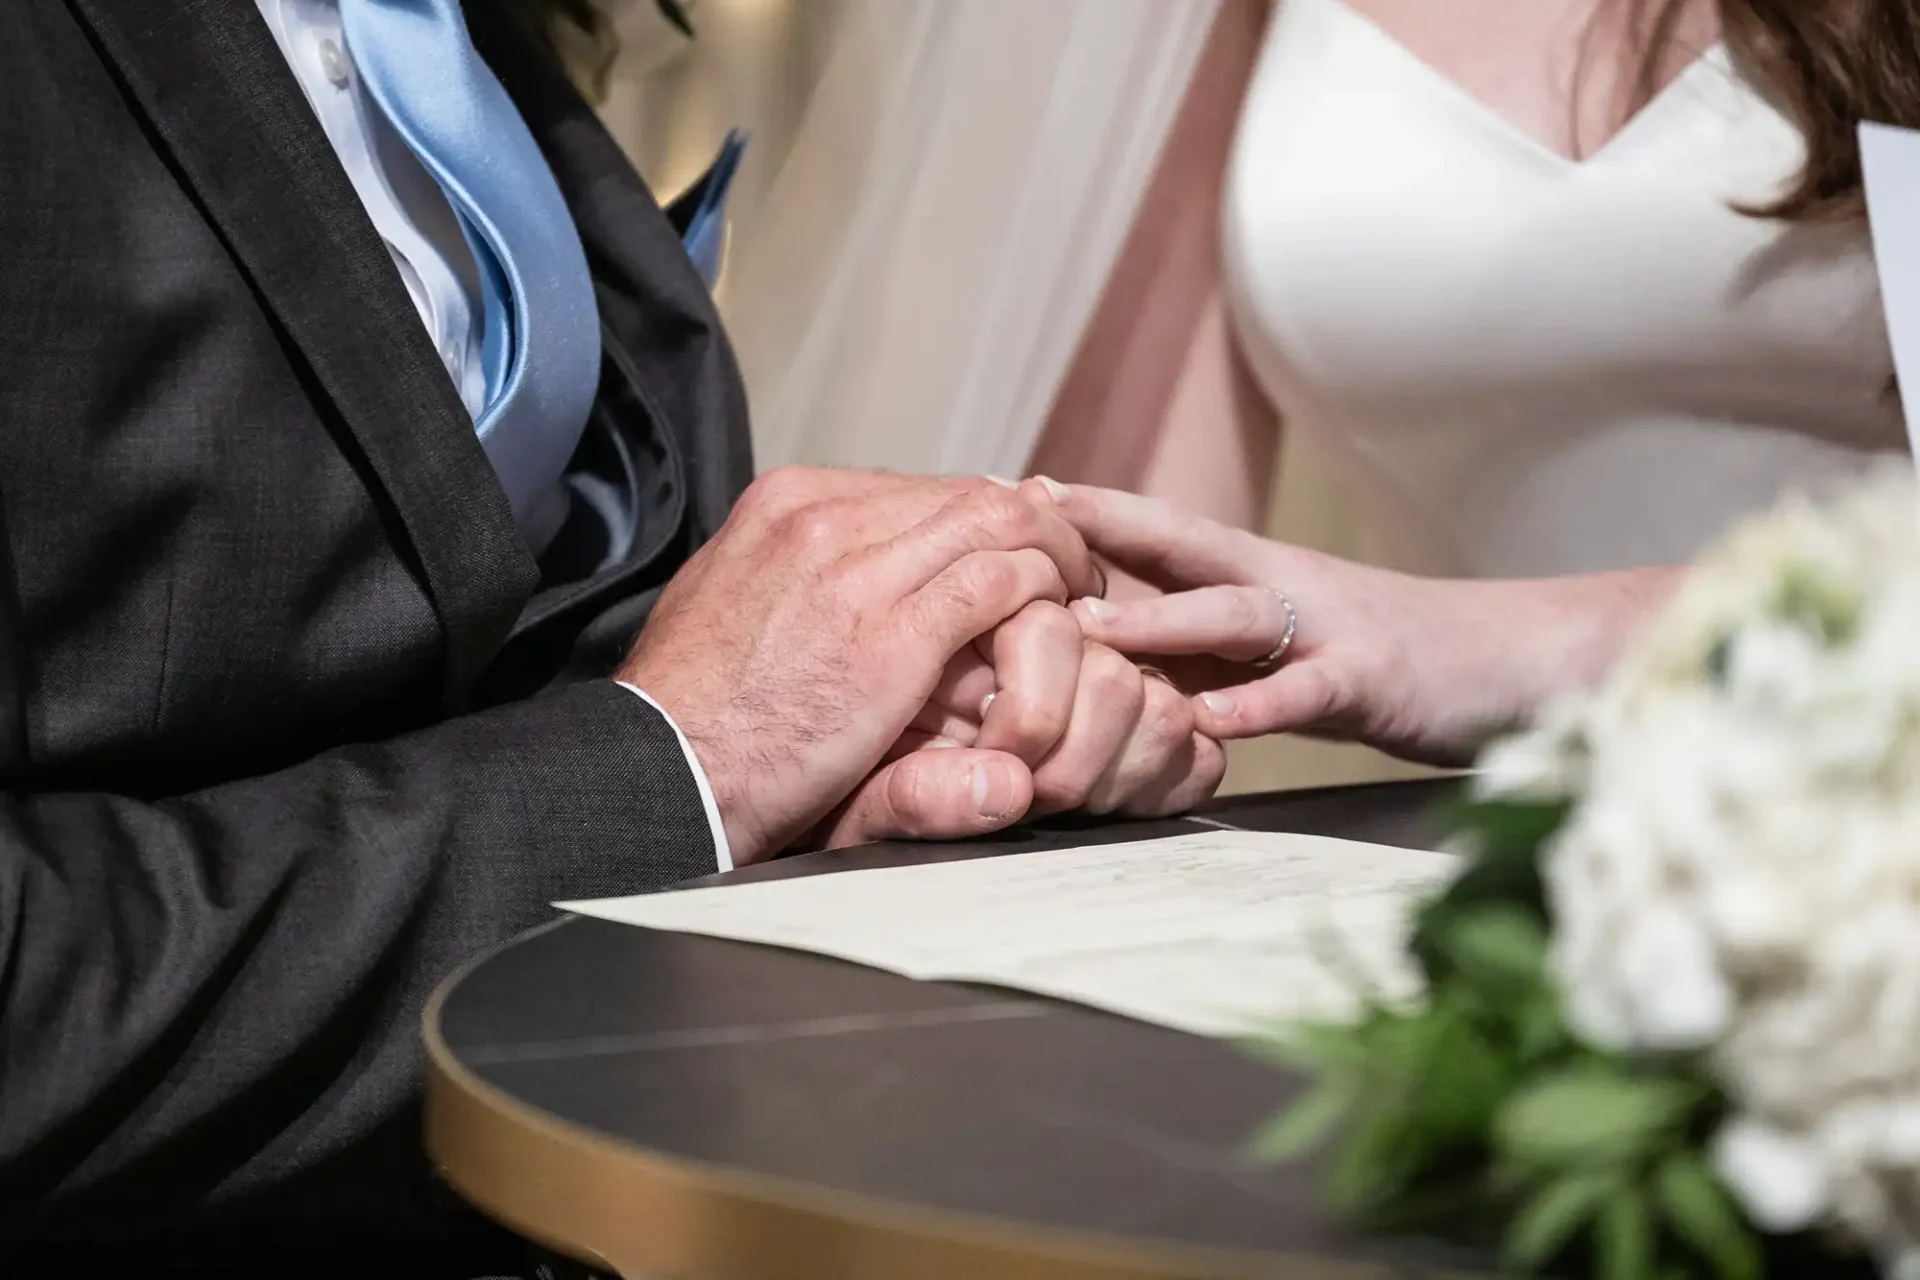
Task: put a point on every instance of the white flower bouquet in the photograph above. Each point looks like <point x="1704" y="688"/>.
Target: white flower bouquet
<point x="1671" y="1022"/>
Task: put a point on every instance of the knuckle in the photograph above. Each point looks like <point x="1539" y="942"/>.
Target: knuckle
<point x="943" y="602"/>
<point x="1209" y="765"/>
<point x="1168" y="714"/>
<point x="772" y="487"/>
<point x="1058" y="619"/>
<point x="1033" y="725"/>
<point x="989" y="578"/>
<point x="1004" y="503"/>
<point x="944" y="605"/>
<point x="776" y="494"/>
<point x="1110" y="679"/>
<point x="1039" y="620"/>
<point x="1052" y="624"/>
<point x="1056" y="789"/>
<point x="1165" y="728"/>
<point x="1003" y="512"/>
<point x="815" y="527"/>
<point x="1053" y="583"/>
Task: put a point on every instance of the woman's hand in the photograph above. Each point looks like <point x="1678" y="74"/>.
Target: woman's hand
<point x="1426" y="669"/>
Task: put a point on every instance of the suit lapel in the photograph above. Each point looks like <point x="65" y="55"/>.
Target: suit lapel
<point x="227" y="110"/>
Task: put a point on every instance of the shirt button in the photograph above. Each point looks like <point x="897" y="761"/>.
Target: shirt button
<point x="333" y="61"/>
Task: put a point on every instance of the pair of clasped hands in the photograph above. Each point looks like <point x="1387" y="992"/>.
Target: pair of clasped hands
<point x="858" y="656"/>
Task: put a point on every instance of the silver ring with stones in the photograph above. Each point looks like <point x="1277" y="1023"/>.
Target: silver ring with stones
<point x="1279" y="653"/>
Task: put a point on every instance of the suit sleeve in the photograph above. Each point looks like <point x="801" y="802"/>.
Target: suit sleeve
<point x="212" y="1001"/>
<point x="717" y="829"/>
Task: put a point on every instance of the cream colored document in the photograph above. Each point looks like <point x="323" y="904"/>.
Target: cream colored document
<point x="1217" y="933"/>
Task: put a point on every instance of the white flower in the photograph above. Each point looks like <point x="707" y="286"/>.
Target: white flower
<point x="1548" y="762"/>
<point x="1740" y="876"/>
<point x="1668" y="958"/>
<point x="1779" y="1178"/>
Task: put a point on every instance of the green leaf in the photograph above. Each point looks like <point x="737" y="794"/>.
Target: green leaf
<point x="1424" y="1107"/>
<point x="1306" y="1123"/>
<point x="1311" y="1047"/>
<point x="1501" y="830"/>
<point x="1554" y="1216"/>
<point x="1504" y="839"/>
<point x="1393" y="1049"/>
<point x="1380" y="1157"/>
<point x="1539" y="1030"/>
<point x="1460" y="1079"/>
<point x="1623" y="1238"/>
<point x="1590" y="1115"/>
<point x="1500" y="947"/>
<point x="1700" y="1212"/>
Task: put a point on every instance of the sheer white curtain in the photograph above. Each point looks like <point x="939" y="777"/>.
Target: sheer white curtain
<point x="934" y="194"/>
<point x="938" y="191"/>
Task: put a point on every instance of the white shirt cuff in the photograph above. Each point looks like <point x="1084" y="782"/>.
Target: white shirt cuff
<point x="722" y="853"/>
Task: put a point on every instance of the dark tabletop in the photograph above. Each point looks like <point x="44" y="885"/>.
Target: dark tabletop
<point x="951" y="1098"/>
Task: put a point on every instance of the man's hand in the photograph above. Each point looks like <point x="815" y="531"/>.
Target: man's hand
<point x="1095" y="733"/>
<point x="796" y="647"/>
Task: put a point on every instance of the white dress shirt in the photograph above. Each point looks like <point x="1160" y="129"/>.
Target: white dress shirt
<point x="421" y="232"/>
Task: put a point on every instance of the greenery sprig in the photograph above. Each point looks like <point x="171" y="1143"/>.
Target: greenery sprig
<point x="1476" y="1114"/>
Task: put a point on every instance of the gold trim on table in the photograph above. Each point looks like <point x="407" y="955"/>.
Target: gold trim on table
<point x="648" y="1215"/>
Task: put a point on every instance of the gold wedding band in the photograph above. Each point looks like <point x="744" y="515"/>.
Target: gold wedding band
<point x="1156" y="673"/>
<point x="1279" y="653"/>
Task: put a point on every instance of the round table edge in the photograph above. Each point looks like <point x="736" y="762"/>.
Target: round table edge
<point x="641" y="1213"/>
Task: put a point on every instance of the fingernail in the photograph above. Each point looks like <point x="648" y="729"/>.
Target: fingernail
<point x="1002" y="480"/>
<point x="1218" y="703"/>
<point x="1055" y="490"/>
<point x="992" y="790"/>
<point x="1100" y="610"/>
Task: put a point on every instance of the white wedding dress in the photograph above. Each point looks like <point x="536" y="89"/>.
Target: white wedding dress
<point x="1536" y="365"/>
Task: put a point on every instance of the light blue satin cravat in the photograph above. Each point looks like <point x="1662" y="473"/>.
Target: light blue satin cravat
<point x="705" y="236"/>
<point x="540" y="344"/>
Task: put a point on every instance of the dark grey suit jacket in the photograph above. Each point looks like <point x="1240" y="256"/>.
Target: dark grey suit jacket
<point x="289" y="721"/>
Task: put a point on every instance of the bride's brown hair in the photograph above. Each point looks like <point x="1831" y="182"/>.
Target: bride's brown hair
<point x="1828" y="65"/>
